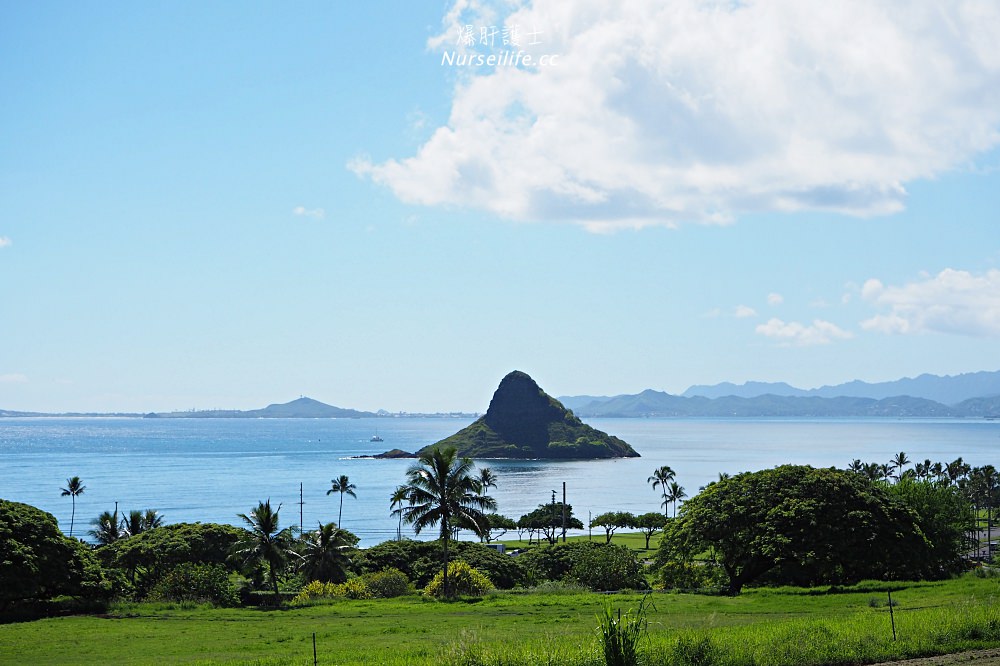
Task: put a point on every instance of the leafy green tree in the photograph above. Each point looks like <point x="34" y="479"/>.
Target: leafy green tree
<point x="945" y="518"/>
<point x="327" y="554"/>
<point x="107" y="529"/>
<point x="797" y="524"/>
<point x="443" y="491"/>
<point x="74" y="488"/>
<point x="192" y="581"/>
<point x="147" y="557"/>
<point x="649" y="524"/>
<point x="343" y="486"/>
<point x="263" y="542"/>
<point x="661" y="477"/>
<point x="547" y="519"/>
<point x="38" y="563"/>
<point x="498" y="526"/>
<point x="611" y="521"/>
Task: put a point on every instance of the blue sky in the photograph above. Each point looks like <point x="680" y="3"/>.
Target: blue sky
<point x="224" y="205"/>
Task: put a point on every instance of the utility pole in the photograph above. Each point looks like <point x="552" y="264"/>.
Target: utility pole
<point x="564" y="512"/>
<point x="300" y="509"/>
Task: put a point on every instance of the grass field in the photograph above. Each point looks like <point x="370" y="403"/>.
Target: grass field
<point x="762" y="627"/>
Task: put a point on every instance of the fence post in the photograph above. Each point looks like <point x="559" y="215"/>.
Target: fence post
<point x="892" y="618"/>
<point x="314" y="649"/>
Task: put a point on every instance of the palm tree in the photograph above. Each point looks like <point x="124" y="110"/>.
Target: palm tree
<point x="487" y="479"/>
<point x="137" y="522"/>
<point x="898" y="462"/>
<point x="263" y="541"/>
<point x="133" y="524"/>
<point x="152" y="519"/>
<point x="342" y="485"/>
<point x="442" y="491"/>
<point x="675" y="493"/>
<point x="326" y="557"/>
<point x="73" y="488"/>
<point x="106" y="528"/>
<point x="661" y="477"/>
<point x="396" y="500"/>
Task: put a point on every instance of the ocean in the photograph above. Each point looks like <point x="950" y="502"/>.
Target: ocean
<point x="211" y="470"/>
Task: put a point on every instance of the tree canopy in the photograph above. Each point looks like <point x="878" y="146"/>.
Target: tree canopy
<point x="798" y="524"/>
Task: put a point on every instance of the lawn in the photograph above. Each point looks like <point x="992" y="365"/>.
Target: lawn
<point x="763" y="626"/>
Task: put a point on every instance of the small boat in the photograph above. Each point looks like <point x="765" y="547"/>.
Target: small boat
<point x="375" y="437"/>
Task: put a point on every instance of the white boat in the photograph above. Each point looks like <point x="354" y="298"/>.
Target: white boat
<point x="375" y="437"/>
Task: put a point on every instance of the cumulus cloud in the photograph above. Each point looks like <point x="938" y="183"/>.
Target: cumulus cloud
<point x="13" y="378"/>
<point x="795" y="334"/>
<point x="698" y="110"/>
<point x="744" y="312"/>
<point x="953" y="301"/>
<point x="4" y="241"/>
<point x="302" y="211"/>
<point x="775" y="299"/>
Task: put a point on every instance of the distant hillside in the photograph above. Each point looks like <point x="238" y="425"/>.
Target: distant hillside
<point x="947" y="390"/>
<point x="301" y="408"/>
<point x="656" y="403"/>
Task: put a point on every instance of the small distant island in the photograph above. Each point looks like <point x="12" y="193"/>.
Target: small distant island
<point x="525" y="422"/>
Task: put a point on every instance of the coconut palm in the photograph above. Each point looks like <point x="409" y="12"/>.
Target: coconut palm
<point x="400" y="495"/>
<point x="675" y="493"/>
<point x="137" y="522"/>
<point x="327" y="554"/>
<point x="106" y="528"/>
<point x="487" y="479"/>
<point x="263" y="542"/>
<point x="73" y="488"/>
<point x="343" y="486"/>
<point x="442" y="491"/>
<point x="661" y="477"/>
<point x="898" y="462"/>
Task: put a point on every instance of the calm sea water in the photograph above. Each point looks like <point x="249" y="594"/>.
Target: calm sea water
<point x="210" y="470"/>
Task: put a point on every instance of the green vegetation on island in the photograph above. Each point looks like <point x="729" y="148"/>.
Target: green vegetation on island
<point x="525" y="422"/>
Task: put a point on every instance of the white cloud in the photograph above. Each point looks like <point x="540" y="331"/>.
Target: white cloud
<point x="5" y="242"/>
<point x="693" y="110"/>
<point x="13" y="378"/>
<point x="952" y="301"/>
<point x="317" y="213"/>
<point x="775" y="299"/>
<point x="744" y="311"/>
<point x="796" y="334"/>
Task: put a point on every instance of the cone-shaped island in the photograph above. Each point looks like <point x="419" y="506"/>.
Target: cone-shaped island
<point x="525" y="422"/>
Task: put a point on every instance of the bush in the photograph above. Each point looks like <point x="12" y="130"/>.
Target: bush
<point x="355" y="588"/>
<point x="553" y="561"/>
<point x="463" y="580"/>
<point x="196" y="582"/>
<point x="681" y="575"/>
<point x="609" y="567"/>
<point x="387" y="583"/>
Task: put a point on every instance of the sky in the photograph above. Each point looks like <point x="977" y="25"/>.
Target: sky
<point x="393" y="205"/>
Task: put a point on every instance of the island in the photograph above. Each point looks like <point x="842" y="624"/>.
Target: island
<point x="525" y="422"/>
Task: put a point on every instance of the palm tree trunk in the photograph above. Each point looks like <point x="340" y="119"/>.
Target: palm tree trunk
<point x="447" y="591"/>
<point x="340" y="513"/>
<point x="72" y="516"/>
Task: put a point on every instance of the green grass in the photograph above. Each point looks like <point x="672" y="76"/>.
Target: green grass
<point x="763" y="627"/>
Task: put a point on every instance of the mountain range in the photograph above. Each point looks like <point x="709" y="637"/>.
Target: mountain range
<point x="968" y="395"/>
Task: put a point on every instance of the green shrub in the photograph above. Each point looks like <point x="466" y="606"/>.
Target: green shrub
<point x="190" y="581"/>
<point x="683" y="575"/>
<point x="609" y="567"/>
<point x="463" y="580"/>
<point x="387" y="583"/>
